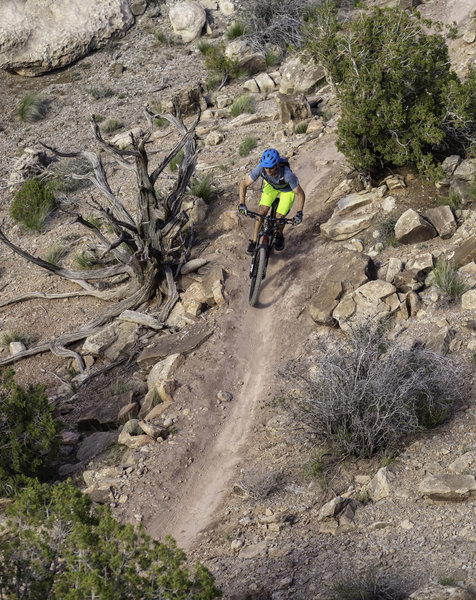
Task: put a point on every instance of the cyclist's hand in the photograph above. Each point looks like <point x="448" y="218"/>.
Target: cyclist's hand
<point x="243" y="209"/>
<point x="298" y="218"/>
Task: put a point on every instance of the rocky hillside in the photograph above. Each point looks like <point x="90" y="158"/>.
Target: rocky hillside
<point x="206" y="453"/>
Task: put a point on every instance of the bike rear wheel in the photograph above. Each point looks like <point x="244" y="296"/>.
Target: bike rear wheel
<point x="257" y="276"/>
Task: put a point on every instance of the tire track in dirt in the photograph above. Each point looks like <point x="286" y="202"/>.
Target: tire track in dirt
<point x="213" y="470"/>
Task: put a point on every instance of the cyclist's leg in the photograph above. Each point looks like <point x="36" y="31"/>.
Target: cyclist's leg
<point x="267" y="198"/>
<point x="286" y="201"/>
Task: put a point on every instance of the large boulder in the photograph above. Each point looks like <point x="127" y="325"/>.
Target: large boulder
<point x="353" y="214"/>
<point x="293" y="108"/>
<point x="37" y="36"/>
<point x="300" y="77"/>
<point x="187" y="19"/>
<point x="436" y="591"/>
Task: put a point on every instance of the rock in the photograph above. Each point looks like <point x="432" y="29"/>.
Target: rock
<point x="435" y="591"/>
<point x="214" y="138"/>
<point x="176" y="343"/>
<point x="105" y="414"/>
<point x="37" y="37"/>
<point x="468" y="300"/>
<point x="138" y="7"/>
<point x="301" y="77"/>
<point x="442" y="219"/>
<point x="70" y="438"/>
<point x="16" y="348"/>
<point x="376" y="290"/>
<point x="134" y="316"/>
<point x="465" y="253"/>
<point x="212" y="280"/>
<point x="464" y="463"/>
<point x="132" y="427"/>
<point x="253" y="63"/>
<point x="194" y="299"/>
<point x="134" y="441"/>
<point x="333" y="508"/>
<point x="346" y="274"/>
<point x="451" y="487"/>
<point x="262" y="84"/>
<point x="193" y="265"/>
<point x="255" y="550"/>
<point x="293" y="108"/>
<point x="103" y="491"/>
<point x="164" y="370"/>
<point x="353" y="213"/>
<point x="95" y="444"/>
<point x="450" y="163"/>
<point x="408" y="281"/>
<point x="127" y="412"/>
<point x="324" y="301"/>
<point x="188" y="101"/>
<point x="422" y="264"/>
<point x="231" y="219"/>
<point x="411" y="228"/>
<point x="187" y="19"/>
<point x="394" y="267"/>
<point x="224" y="396"/>
<point x="123" y="140"/>
<point x="439" y="340"/>
<point x="111" y="341"/>
<point x="153" y="430"/>
<point x="466" y="170"/>
<point x="226" y="7"/>
<point x="196" y="208"/>
<point x="381" y="484"/>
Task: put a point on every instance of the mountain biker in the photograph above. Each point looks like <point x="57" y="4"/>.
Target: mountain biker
<point x="279" y="179"/>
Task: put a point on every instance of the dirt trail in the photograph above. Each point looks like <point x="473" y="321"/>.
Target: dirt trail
<point x="208" y="483"/>
<point x="257" y="349"/>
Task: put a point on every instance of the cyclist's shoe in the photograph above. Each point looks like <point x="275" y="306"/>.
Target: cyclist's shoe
<point x="251" y="247"/>
<point x="279" y="242"/>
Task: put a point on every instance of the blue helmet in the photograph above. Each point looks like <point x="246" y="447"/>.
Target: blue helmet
<point x="269" y="158"/>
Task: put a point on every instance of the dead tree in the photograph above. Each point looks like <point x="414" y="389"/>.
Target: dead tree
<point x="148" y="245"/>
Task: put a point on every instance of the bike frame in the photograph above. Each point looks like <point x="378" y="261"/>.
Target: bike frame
<point x="267" y="234"/>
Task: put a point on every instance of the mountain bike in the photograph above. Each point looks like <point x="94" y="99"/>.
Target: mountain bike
<point x="264" y="244"/>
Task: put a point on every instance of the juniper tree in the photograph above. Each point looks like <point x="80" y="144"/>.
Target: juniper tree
<point x="400" y="101"/>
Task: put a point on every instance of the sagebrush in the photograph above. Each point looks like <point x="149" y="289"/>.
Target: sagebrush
<point x="362" y="394"/>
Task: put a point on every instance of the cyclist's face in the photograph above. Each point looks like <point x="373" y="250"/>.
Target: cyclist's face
<point x="273" y="171"/>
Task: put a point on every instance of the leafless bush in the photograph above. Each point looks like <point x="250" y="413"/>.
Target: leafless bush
<point x="373" y="585"/>
<point x="258" y="485"/>
<point x="276" y="21"/>
<point x="365" y="393"/>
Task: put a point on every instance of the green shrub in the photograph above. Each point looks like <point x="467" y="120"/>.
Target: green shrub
<point x="203" y="46"/>
<point x="401" y="103"/>
<point x="204" y="188"/>
<point x="235" y="30"/>
<point x="32" y="204"/>
<point x="33" y="108"/>
<point x="242" y="104"/>
<point x="388" y="230"/>
<point x="363" y="394"/>
<point x="86" y="260"/>
<point x="217" y="63"/>
<point x="61" y="546"/>
<point x="472" y="188"/>
<point x="29" y="436"/>
<point x="111" y="125"/>
<point x="448" y="279"/>
<point x="446" y="580"/>
<point x="247" y="145"/>
<point x="98" y="93"/>
<point x="301" y="127"/>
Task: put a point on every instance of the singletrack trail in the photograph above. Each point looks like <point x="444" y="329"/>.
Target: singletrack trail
<point x="254" y="348"/>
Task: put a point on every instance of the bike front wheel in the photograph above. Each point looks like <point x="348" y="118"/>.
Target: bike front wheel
<point x="257" y="275"/>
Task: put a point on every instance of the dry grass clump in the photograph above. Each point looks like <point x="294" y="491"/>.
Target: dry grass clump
<point x="365" y="393"/>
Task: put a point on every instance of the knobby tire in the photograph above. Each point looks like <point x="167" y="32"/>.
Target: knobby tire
<point x="257" y="277"/>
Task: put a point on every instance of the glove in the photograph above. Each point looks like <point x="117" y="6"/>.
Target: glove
<point x="298" y="218"/>
<point x="243" y="209"/>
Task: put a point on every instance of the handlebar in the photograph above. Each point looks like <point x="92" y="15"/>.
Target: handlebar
<point x="257" y="216"/>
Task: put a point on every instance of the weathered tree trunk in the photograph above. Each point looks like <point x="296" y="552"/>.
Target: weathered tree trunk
<point x="152" y="235"/>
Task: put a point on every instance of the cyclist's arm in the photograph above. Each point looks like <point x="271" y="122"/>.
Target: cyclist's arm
<point x="300" y="197"/>
<point x="245" y="184"/>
